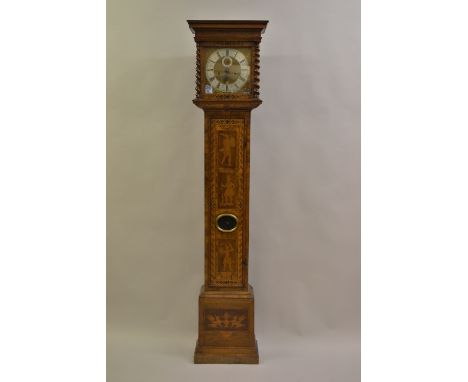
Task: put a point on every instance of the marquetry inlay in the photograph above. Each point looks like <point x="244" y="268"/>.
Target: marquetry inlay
<point x="227" y="165"/>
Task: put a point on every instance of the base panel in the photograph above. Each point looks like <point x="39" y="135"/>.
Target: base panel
<point x="211" y="354"/>
<point x="226" y="327"/>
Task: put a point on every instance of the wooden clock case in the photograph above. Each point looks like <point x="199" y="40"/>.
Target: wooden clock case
<point x="226" y="303"/>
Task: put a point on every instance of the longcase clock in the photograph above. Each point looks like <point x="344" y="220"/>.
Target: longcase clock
<point x="227" y="89"/>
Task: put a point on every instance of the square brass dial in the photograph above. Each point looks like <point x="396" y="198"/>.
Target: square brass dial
<point x="227" y="70"/>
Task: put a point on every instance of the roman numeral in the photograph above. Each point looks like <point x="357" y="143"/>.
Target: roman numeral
<point x="240" y="62"/>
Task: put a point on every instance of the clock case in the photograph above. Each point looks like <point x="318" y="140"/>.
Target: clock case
<point x="226" y="302"/>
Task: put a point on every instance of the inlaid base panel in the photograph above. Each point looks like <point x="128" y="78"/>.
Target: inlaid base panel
<point x="226" y="327"/>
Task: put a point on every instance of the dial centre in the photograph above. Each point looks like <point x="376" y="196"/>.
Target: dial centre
<point x="227" y="61"/>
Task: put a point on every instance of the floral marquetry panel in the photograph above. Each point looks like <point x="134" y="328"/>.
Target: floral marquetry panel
<point x="232" y="319"/>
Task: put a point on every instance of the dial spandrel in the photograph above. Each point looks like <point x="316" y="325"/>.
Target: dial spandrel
<point x="227" y="70"/>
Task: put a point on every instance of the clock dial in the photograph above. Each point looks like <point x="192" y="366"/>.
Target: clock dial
<point x="227" y="70"/>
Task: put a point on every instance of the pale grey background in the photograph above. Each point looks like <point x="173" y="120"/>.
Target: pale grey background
<point x="305" y="191"/>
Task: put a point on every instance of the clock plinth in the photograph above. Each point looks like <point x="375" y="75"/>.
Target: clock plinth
<point x="226" y="327"/>
<point x="227" y="88"/>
